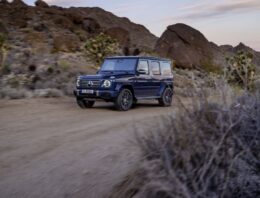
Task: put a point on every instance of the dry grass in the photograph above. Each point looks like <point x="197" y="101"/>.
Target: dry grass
<point x="206" y="150"/>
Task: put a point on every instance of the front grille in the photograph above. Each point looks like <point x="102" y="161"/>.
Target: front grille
<point x="89" y="83"/>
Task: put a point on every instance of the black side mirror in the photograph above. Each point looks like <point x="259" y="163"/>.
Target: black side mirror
<point x="97" y="71"/>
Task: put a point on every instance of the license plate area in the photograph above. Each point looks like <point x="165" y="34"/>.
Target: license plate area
<point x="87" y="91"/>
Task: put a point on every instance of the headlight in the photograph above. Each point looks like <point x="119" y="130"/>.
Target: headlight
<point x="106" y="83"/>
<point x="78" y="82"/>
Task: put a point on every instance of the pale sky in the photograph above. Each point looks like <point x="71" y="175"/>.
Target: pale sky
<point x="221" y="21"/>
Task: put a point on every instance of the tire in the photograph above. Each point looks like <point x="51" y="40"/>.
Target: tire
<point x="85" y="103"/>
<point x="124" y="100"/>
<point x="166" y="99"/>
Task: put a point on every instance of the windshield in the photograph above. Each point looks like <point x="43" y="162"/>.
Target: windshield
<point x="127" y="64"/>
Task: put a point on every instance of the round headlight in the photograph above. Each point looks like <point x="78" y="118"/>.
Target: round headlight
<point x="106" y="83"/>
<point x="78" y="82"/>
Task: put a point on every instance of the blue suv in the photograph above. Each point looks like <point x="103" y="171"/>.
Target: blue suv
<point x="126" y="79"/>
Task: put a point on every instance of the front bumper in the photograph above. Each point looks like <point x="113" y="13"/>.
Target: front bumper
<point x="96" y="95"/>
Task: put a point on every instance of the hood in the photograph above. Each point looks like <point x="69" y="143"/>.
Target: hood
<point x="106" y="76"/>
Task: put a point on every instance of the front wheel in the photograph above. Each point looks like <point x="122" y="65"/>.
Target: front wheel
<point x="166" y="99"/>
<point x="85" y="103"/>
<point x="124" y="100"/>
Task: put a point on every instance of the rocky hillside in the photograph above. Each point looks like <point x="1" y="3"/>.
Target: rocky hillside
<point x="48" y="30"/>
<point x="191" y="49"/>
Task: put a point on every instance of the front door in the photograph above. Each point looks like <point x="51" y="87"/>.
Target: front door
<point x="142" y="83"/>
<point x="156" y="77"/>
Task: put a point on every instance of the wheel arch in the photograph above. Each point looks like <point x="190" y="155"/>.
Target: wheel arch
<point x="164" y="86"/>
<point x="126" y="86"/>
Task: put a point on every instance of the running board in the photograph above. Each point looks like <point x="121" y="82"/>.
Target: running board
<point x="149" y="97"/>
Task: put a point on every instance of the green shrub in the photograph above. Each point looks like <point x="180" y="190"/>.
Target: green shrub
<point x="101" y="46"/>
<point x="240" y="70"/>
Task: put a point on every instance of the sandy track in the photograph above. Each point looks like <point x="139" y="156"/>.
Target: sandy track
<point x="52" y="148"/>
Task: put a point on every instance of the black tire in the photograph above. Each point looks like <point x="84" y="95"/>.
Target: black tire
<point x="124" y="100"/>
<point x="166" y="99"/>
<point x="85" y="103"/>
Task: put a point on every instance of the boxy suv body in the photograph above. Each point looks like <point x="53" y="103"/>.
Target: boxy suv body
<point x="126" y="79"/>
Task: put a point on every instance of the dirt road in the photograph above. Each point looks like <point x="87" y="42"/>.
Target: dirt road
<point x="52" y="148"/>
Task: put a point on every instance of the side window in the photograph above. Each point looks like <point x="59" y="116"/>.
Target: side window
<point x="155" y="67"/>
<point x="166" y="68"/>
<point x="143" y="67"/>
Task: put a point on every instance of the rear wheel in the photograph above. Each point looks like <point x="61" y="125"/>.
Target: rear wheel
<point x="85" y="103"/>
<point x="124" y="100"/>
<point x="166" y="99"/>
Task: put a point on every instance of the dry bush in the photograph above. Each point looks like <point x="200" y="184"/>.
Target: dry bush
<point x="48" y="93"/>
<point x="13" y="93"/>
<point x="207" y="150"/>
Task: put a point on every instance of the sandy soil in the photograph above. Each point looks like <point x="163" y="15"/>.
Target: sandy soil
<point x="52" y="148"/>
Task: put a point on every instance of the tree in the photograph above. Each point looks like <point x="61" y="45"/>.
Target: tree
<point x="101" y="46"/>
<point x="241" y="70"/>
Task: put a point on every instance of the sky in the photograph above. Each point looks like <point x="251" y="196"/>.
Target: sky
<point x="221" y="21"/>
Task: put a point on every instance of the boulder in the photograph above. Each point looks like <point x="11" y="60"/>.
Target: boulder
<point x="41" y="3"/>
<point x="187" y="46"/>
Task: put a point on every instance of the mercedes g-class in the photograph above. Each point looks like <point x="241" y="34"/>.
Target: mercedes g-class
<point x="126" y="79"/>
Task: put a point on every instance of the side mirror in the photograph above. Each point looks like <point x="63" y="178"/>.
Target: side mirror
<point x="141" y="71"/>
<point x="97" y="71"/>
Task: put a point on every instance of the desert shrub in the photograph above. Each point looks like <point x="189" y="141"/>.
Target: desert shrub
<point x="5" y="69"/>
<point x="13" y="93"/>
<point x="2" y="40"/>
<point x="17" y="80"/>
<point x="50" y="70"/>
<point x="64" y="65"/>
<point x="240" y="70"/>
<point x="209" y="66"/>
<point x="208" y="150"/>
<point x="101" y="46"/>
<point x="48" y="93"/>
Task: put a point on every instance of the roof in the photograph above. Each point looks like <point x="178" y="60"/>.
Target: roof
<point x="140" y="57"/>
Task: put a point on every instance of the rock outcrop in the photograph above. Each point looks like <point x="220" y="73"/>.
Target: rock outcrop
<point x="187" y="46"/>
<point x="190" y="49"/>
<point x="41" y="3"/>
